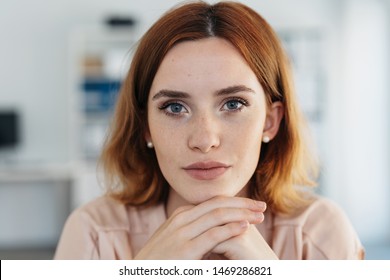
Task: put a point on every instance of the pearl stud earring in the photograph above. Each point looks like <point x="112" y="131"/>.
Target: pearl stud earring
<point x="265" y="139"/>
<point x="149" y="144"/>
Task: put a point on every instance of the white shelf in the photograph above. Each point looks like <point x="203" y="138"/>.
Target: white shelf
<point x="108" y="52"/>
<point x="100" y="55"/>
<point x="33" y="174"/>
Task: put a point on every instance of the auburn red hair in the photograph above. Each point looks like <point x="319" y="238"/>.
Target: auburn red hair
<point x="132" y="172"/>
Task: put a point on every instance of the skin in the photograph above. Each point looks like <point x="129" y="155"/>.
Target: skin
<point x="205" y="106"/>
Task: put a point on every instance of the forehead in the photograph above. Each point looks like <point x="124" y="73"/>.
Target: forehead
<point x="206" y="61"/>
<point x="211" y="49"/>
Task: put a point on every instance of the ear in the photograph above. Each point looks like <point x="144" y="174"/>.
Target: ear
<point x="273" y="118"/>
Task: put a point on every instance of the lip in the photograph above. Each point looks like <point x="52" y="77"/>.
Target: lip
<point x="209" y="170"/>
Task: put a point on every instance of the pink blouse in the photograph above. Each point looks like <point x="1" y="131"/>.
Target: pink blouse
<point x="107" y="229"/>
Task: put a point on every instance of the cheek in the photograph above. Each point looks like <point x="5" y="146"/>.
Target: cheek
<point x="165" y="135"/>
<point x="250" y="154"/>
<point x="166" y="140"/>
<point x="249" y="132"/>
<point x="247" y="140"/>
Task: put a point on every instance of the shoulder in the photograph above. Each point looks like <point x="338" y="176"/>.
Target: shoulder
<point x="319" y="207"/>
<point x="324" y="231"/>
<point x="102" y="213"/>
<point x="107" y="229"/>
<point x="89" y="227"/>
<point x="108" y="214"/>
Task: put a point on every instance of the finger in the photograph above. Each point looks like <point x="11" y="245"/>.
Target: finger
<point x="220" y="217"/>
<point x="233" y="202"/>
<point x="248" y="245"/>
<point x="189" y="215"/>
<point x="214" y="236"/>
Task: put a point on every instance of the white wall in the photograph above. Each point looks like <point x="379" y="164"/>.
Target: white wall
<point x="33" y="77"/>
<point x="364" y="118"/>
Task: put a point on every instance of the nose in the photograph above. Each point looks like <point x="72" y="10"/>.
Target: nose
<point x="204" y="134"/>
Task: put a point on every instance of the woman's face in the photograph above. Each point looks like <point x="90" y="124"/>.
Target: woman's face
<point x="206" y="116"/>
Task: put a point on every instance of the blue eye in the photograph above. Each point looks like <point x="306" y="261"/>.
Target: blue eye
<point x="234" y="105"/>
<point x="173" y="108"/>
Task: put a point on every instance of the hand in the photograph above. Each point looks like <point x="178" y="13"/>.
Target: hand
<point x="193" y="231"/>
<point x="249" y="245"/>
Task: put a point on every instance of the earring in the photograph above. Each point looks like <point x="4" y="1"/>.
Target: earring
<point x="149" y="144"/>
<point x="266" y="139"/>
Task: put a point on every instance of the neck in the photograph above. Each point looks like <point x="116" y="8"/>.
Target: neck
<point x="174" y="201"/>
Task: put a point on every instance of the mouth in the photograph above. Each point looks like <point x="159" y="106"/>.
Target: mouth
<point x="206" y="170"/>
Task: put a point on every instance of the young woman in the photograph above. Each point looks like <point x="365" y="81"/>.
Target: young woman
<point x="207" y="156"/>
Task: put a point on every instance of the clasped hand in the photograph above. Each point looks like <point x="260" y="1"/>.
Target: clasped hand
<point x="221" y="225"/>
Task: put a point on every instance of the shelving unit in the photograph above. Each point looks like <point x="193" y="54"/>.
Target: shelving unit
<point x="99" y="59"/>
<point x="305" y="48"/>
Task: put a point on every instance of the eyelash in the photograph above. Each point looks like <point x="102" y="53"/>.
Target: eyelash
<point x="164" y="107"/>
<point x="242" y="102"/>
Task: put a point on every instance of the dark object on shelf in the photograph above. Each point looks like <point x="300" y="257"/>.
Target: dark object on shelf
<point x="100" y="94"/>
<point x="9" y="129"/>
<point x="120" y="21"/>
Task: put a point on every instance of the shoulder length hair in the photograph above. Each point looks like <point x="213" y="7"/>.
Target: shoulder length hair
<point x="131" y="169"/>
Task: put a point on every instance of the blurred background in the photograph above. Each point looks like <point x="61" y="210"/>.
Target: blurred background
<point x="62" y="61"/>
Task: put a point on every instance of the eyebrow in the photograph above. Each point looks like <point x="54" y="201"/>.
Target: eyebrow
<point x="221" y="92"/>
<point x="234" y="89"/>
<point x="171" y="94"/>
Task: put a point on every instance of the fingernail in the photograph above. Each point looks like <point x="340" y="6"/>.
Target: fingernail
<point x="244" y="224"/>
<point x="259" y="215"/>
<point x="261" y="204"/>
